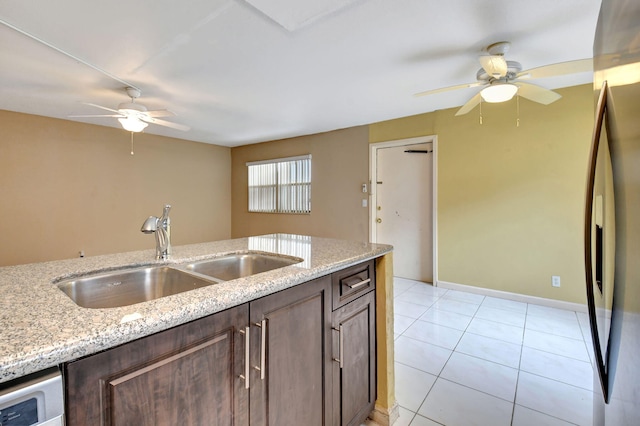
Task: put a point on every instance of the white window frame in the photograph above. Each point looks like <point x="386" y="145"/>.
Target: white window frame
<point x="280" y="185"/>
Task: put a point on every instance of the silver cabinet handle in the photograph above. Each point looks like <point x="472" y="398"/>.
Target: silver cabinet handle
<point x="341" y="348"/>
<point x="358" y="284"/>
<point x="247" y="339"/>
<point x="263" y="348"/>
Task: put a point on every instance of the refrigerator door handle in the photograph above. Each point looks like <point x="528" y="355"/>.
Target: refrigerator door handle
<point x="599" y="127"/>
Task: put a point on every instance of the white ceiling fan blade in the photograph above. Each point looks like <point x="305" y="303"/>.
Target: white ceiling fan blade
<point x="446" y="89"/>
<point x="95" y="115"/>
<point x="561" y="68"/>
<point x="536" y="93"/>
<point x="160" y="113"/>
<point x="101" y="107"/>
<point x="471" y="104"/>
<point x="166" y="123"/>
<point x="494" y="65"/>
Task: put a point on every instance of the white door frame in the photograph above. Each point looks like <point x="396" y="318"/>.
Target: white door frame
<point x="373" y="170"/>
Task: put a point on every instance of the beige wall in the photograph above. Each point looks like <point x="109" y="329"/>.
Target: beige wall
<point x="510" y="199"/>
<point x="67" y="187"/>
<point x="340" y="165"/>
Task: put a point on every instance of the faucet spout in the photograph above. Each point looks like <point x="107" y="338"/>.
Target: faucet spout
<point x="161" y="226"/>
<point x="150" y="225"/>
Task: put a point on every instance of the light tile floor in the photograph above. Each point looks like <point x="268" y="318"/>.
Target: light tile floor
<point x="463" y="359"/>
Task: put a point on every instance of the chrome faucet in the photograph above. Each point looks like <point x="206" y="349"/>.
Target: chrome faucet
<point x="162" y="228"/>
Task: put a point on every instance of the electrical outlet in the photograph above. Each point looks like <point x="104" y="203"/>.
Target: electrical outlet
<point x="555" y="281"/>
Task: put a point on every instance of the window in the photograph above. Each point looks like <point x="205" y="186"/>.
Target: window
<point x="282" y="185"/>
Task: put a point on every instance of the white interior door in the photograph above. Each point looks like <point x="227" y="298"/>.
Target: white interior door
<point x="404" y="208"/>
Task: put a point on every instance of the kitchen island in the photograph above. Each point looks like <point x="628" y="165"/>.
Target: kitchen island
<point x="42" y="327"/>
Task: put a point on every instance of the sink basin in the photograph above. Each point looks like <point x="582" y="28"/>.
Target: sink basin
<point x="235" y="266"/>
<point x="122" y="288"/>
<point x="126" y="287"/>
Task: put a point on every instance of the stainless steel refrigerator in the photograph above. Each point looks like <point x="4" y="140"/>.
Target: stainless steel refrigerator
<point x="612" y="216"/>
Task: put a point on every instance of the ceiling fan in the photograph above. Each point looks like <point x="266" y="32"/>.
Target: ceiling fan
<point x="502" y="79"/>
<point x="135" y="117"/>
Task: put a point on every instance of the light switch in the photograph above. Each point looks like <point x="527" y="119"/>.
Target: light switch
<point x="364" y="188"/>
<point x="364" y="202"/>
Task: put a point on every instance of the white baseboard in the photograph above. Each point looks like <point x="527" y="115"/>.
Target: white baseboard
<point x="570" y="306"/>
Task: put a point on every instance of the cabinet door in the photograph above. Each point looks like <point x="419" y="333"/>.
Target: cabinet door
<point x="354" y="361"/>
<point x="187" y="375"/>
<point x="290" y="349"/>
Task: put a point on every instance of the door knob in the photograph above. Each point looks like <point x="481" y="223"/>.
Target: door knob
<point x="379" y="220"/>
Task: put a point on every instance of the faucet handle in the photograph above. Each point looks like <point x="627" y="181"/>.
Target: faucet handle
<point x="165" y="212"/>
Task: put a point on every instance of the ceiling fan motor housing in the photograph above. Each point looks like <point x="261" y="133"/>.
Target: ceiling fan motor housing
<point x="513" y="69"/>
<point x="131" y="108"/>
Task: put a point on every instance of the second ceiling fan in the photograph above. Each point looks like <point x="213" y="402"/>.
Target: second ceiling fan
<point x="502" y="79"/>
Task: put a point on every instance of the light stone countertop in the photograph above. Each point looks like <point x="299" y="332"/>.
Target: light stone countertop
<point x="41" y="327"/>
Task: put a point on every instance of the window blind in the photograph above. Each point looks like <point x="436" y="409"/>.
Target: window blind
<point x="280" y="185"/>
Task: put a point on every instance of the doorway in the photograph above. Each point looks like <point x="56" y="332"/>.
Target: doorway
<point x="403" y="204"/>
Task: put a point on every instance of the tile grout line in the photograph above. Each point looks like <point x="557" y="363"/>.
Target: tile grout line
<point x="515" y="396"/>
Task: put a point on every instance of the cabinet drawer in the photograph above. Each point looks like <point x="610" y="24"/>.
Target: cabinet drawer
<point x="353" y="282"/>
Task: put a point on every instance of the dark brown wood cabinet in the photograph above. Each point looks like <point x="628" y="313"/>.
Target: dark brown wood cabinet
<point x="290" y="350"/>
<point x="187" y="375"/>
<point x="354" y="367"/>
<point x="267" y="362"/>
<point x="354" y="345"/>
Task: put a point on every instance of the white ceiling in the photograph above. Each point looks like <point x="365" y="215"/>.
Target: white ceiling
<point x="239" y="72"/>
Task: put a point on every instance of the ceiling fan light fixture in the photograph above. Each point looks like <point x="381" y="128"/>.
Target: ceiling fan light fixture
<point x="132" y="124"/>
<point x="499" y="92"/>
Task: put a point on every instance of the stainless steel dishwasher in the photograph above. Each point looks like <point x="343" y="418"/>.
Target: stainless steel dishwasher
<point x="36" y="399"/>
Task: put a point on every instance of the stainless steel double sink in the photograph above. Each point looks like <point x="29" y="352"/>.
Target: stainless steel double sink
<point x="128" y="286"/>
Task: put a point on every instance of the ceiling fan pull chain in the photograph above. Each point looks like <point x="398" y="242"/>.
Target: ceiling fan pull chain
<point x="517" y="111"/>
<point x="480" y="110"/>
<point x="132" y="143"/>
